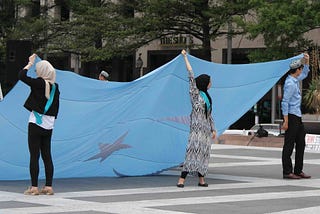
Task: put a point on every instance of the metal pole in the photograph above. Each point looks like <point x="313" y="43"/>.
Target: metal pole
<point x="188" y="43"/>
<point x="141" y="72"/>
<point x="256" y="115"/>
<point x="45" y="11"/>
<point x="229" y="43"/>
<point x="273" y="104"/>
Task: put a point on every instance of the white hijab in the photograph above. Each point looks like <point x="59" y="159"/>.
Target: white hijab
<point x="47" y="72"/>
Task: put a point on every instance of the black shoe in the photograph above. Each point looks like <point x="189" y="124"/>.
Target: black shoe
<point x="203" y="185"/>
<point x="180" y="185"/>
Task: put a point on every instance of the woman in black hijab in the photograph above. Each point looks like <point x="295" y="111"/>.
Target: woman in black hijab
<point x="202" y="130"/>
<point x="203" y="83"/>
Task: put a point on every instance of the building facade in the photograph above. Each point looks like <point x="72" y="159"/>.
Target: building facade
<point x="154" y="55"/>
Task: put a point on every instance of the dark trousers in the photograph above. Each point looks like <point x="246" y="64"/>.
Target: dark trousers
<point x="185" y="173"/>
<point x="39" y="141"/>
<point x="294" y="136"/>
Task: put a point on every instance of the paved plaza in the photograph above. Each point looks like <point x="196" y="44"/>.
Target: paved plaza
<point x="242" y="180"/>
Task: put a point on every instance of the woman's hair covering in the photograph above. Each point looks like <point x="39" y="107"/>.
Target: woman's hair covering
<point x="202" y="82"/>
<point x="47" y="72"/>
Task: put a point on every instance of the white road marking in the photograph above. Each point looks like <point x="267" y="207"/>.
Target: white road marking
<point x="57" y="203"/>
<point x="68" y="201"/>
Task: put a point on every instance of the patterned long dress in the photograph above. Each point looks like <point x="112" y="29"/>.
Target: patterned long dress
<point x="200" y="137"/>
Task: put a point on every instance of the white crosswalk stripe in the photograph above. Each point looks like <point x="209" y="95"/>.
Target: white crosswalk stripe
<point x="67" y="202"/>
<point x="140" y="200"/>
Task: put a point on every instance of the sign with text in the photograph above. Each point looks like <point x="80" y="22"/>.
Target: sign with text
<point x="313" y="142"/>
<point x="176" y="40"/>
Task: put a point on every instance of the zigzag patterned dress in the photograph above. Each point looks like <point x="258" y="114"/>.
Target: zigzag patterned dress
<point x="200" y="137"/>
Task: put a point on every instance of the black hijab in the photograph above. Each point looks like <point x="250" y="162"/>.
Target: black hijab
<point x="202" y="83"/>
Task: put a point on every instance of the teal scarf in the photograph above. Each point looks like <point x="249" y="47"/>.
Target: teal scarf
<point x="205" y="98"/>
<point x="48" y="104"/>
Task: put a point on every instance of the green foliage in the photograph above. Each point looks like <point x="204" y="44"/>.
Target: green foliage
<point x="283" y="25"/>
<point x="7" y="21"/>
<point x="311" y="96"/>
<point x="203" y="19"/>
<point x="102" y="29"/>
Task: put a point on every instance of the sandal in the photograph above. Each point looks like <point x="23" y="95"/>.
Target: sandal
<point x="46" y="191"/>
<point x="31" y="191"/>
<point x="203" y="185"/>
<point x="180" y="185"/>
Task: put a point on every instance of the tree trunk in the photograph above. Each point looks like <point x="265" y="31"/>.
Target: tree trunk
<point x="206" y="49"/>
<point x="206" y="44"/>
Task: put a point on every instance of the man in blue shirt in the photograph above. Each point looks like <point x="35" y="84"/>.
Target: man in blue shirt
<point x="292" y="123"/>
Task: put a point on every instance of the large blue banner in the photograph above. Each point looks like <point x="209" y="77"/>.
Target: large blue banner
<point x="133" y="128"/>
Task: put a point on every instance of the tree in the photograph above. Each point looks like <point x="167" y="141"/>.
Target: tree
<point x="87" y="30"/>
<point x="203" y="19"/>
<point x="102" y="29"/>
<point x="312" y="95"/>
<point x="7" y="21"/>
<point x="283" y="25"/>
<point x="98" y="30"/>
<point x="37" y="25"/>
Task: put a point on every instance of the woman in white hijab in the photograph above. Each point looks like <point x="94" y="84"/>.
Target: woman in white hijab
<point x="43" y="104"/>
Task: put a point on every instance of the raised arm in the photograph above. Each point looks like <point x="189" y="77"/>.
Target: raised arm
<point x="32" y="58"/>
<point x="184" y="54"/>
<point x="306" y="69"/>
<point x="194" y="92"/>
<point x="22" y="75"/>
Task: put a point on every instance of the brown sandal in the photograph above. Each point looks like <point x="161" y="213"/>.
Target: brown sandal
<point x="31" y="191"/>
<point x="46" y="191"/>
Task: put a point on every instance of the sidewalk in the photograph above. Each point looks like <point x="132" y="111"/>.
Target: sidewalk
<point x="242" y="180"/>
<point x="243" y="140"/>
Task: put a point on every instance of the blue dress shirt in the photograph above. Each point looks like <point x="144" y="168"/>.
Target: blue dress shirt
<point x="291" y="101"/>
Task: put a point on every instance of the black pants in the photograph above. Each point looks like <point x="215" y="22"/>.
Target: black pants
<point x="294" y="136"/>
<point x="185" y="173"/>
<point x="39" y="141"/>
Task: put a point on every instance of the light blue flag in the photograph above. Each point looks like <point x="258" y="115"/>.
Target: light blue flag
<point x="129" y="128"/>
